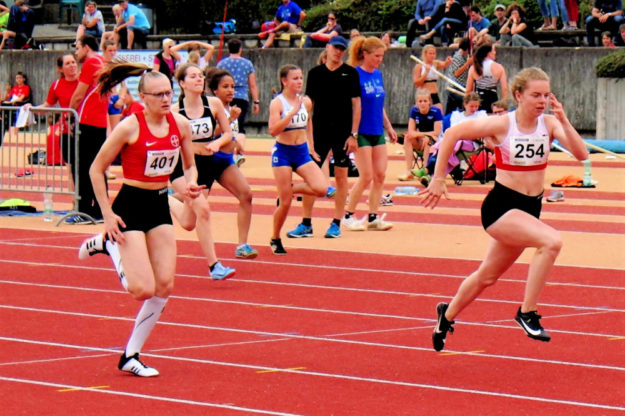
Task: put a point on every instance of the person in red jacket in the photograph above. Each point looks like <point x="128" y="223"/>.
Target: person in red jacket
<point x="92" y="111"/>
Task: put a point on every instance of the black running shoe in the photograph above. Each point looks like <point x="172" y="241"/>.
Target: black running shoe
<point x="530" y="322"/>
<point x="441" y="328"/>
<point x="276" y="246"/>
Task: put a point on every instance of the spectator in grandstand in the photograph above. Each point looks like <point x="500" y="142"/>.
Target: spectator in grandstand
<point x="242" y="69"/>
<point x="570" y="8"/>
<point x="389" y="40"/>
<point x="477" y="22"/>
<point x="19" y="26"/>
<point x="485" y="75"/>
<point x="424" y="19"/>
<point x="605" y="15"/>
<point x="620" y="39"/>
<point x="4" y="16"/>
<point x="92" y="22"/>
<point x="424" y="76"/>
<point x="121" y="35"/>
<point x="453" y="20"/>
<point x="288" y="18"/>
<point x="550" y="14"/>
<point x="320" y="38"/>
<point x="135" y="22"/>
<point x="458" y="71"/>
<point x="606" y="40"/>
<point x="494" y="29"/>
<point x="516" y="31"/>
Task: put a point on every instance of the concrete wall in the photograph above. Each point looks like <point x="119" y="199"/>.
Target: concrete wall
<point x="611" y="108"/>
<point x="571" y="69"/>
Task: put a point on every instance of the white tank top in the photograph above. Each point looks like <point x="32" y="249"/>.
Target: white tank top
<point x="299" y="121"/>
<point x="524" y="151"/>
<point x="431" y="76"/>
<point x="487" y="81"/>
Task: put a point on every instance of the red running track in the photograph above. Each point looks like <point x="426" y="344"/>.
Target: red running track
<point x="313" y="333"/>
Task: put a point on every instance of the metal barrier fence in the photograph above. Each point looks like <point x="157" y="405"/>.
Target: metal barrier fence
<point x="38" y="151"/>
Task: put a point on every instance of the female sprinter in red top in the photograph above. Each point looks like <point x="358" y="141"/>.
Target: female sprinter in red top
<point x="138" y="223"/>
<point x="510" y="212"/>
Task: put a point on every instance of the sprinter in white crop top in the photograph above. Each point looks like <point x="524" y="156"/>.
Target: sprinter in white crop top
<point x="511" y="210"/>
<point x="299" y="121"/>
<point x="290" y="124"/>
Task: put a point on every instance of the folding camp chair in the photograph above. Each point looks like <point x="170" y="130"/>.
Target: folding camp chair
<point x="419" y="157"/>
<point x="478" y="163"/>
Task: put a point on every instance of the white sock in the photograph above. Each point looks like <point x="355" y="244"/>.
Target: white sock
<point x="113" y="251"/>
<point x="144" y="323"/>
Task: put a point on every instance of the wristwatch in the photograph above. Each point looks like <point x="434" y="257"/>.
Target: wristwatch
<point x="354" y="134"/>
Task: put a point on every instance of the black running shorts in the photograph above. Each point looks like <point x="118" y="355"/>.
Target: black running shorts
<point x="142" y="209"/>
<point x="502" y="199"/>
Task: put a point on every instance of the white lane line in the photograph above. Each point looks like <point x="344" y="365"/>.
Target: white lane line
<point x="344" y="377"/>
<point x="341" y="288"/>
<point x="338" y="312"/>
<point x="330" y="339"/>
<point x="146" y="396"/>
<point x="521" y="280"/>
<point x="476" y="260"/>
<point x="54" y="360"/>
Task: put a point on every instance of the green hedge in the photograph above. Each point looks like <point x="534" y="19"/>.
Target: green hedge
<point x="612" y="65"/>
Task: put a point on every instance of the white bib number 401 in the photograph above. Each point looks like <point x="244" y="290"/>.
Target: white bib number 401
<point x="161" y="162"/>
<point x="529" y="150"/>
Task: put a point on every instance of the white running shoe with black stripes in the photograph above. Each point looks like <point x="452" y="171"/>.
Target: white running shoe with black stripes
<point x="134" y="366"/>
<point x="92" y="246"/>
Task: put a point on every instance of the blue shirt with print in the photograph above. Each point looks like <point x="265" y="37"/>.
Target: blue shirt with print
<point x="240" y="68"/>
<point x="372" y="97"/>
<point x="289" y="13"/>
